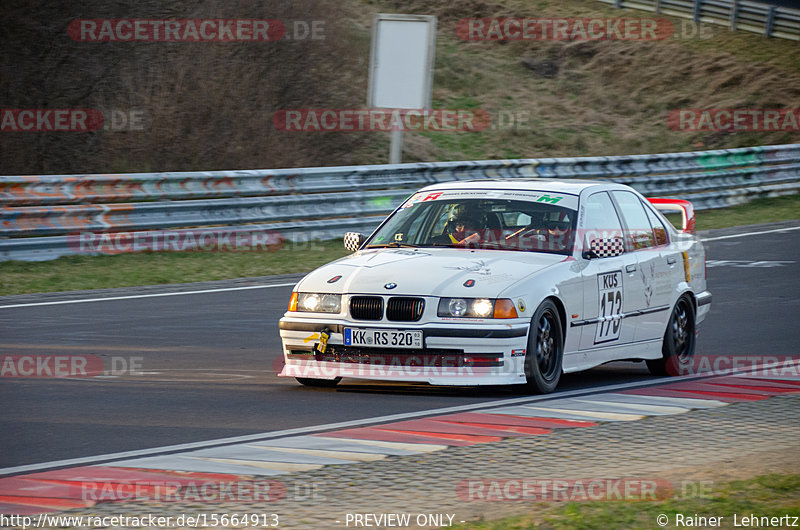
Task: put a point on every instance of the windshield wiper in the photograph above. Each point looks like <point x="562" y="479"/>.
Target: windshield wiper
<point x="394" y="244"/>
<point x="494" y="246"/>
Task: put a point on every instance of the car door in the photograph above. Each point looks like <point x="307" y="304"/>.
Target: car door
<point x="606" y="281"/>
<point x="651" y="280"/>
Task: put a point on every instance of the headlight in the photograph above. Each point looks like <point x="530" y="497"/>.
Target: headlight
<point x="476" y="308"/>
<point x="456" y="307"/>
<point x="483" y="307"/>
<point x="316" y="302"/>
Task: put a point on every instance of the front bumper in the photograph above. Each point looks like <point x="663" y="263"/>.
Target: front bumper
<point x="452" y="354"/>
<point x="703" y="305"/>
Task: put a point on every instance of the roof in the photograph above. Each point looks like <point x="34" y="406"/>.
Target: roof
<point x="572" y="186"/>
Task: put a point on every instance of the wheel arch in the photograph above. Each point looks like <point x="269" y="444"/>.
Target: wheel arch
<point x="562" y="314"/>
<point x="688" y="293"/>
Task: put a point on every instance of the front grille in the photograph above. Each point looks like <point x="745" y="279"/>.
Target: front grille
<point x="366" y="307"/>
<point x="404" y="309"/>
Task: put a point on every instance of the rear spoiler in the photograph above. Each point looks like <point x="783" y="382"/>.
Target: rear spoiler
<point x="685" y="207"/>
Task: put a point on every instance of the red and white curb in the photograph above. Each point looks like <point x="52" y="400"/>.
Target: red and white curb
<point x="265" y="456"/>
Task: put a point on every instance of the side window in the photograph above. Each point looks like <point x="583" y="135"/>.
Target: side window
<point x="601" y="218"/>
<point x="658" y="227"/>
<point x="640" y="233"/>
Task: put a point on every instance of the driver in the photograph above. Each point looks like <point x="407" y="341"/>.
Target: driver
<point x="464" y="230"/>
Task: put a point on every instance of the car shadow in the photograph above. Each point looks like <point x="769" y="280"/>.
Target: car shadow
<point x="617" y="372"/>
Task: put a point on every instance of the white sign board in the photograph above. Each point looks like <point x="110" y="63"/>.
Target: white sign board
<point x="401" y="61"/>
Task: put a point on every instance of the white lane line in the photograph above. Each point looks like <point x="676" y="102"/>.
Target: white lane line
<point x="751" y="234"/>
<point x="547" y="412"/>
<point x="325" y="453"/>
<point x="641" y="408"/>
<point x="108" y="458"/>
<point x="378" y="444"/>
<point x="152" y="295"/>
<point x="689" y="403"/>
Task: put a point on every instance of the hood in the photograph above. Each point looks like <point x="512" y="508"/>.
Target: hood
<point x="427" y="271"/>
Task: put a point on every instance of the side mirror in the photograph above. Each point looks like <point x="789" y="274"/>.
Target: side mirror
<point x="604" y="247"/>
<point x="353" y="241"/>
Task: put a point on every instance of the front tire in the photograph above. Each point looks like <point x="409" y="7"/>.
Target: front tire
<point x="677" y="349"/>
<point x="545" y="351"/>
<point x="318" y="383"/>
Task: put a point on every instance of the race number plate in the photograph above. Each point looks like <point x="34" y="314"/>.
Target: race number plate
<point x="383" y="338"/>
<point x="609" y="291"/>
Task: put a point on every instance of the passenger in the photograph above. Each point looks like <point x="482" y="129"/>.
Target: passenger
<point x="558" y="234"/>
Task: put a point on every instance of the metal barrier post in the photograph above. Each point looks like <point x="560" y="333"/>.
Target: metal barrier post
<point x="770" y="21"/>
<point x="734" y="13"/>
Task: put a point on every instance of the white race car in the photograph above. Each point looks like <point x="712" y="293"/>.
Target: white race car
<point x="495" y="282"/>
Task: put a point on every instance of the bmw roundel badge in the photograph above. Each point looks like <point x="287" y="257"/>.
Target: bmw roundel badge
<point x="390" y="285"/>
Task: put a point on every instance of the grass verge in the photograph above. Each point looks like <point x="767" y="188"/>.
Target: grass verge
<point x="550" y="98"/>
<point x="152" y="268"/>
<point x="758" y="211"/>
<point x="127" y="270"/>
<point x="765" y="495"/>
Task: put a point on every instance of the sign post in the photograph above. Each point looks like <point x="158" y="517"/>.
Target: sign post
<point x="401" y="67"/>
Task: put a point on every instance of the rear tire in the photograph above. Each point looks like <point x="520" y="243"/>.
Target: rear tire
<point x="677" y="349"/>
<point x="545" y="352"/>
<point x="318" y="383"/>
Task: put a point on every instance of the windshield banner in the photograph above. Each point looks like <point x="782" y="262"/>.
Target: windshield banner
<point x="564" y="200"/>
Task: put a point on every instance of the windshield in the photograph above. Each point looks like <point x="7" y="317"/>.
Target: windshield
<point x="530" y="221"/>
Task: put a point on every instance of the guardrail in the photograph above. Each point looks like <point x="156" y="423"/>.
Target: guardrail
<point x="768" y="20"/>
<point x="321" y="203"/>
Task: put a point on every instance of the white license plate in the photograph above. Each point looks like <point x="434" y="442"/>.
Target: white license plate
<point x="383" y="338"/>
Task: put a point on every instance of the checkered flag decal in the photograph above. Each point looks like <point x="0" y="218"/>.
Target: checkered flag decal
<point x="353" y="240"/>
<point x="605" y="248"/>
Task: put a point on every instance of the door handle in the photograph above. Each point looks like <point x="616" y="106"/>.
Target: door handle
<point x="671" y="260"/>
<point x="630" y="268"/>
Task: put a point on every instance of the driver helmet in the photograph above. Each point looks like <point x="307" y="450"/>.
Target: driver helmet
<point x="466" y="219"/>
<point x="559" y="226"/>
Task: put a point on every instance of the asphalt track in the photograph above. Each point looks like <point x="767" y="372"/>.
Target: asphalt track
<point x="204" y="362"/>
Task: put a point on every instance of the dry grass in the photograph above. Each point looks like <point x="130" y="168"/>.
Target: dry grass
<point x="211" y="105"/>
<point x="601" y="97"/>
